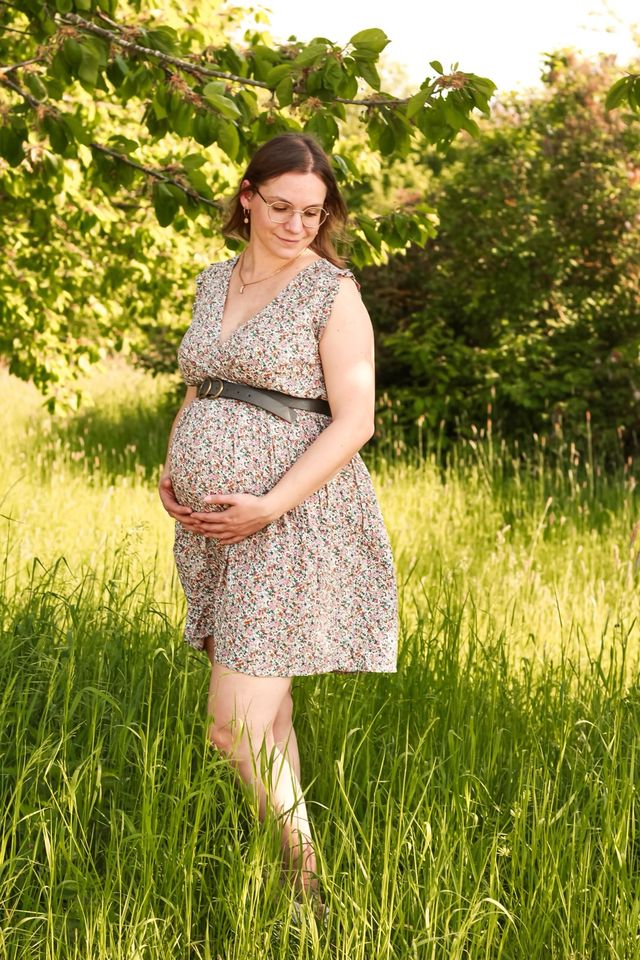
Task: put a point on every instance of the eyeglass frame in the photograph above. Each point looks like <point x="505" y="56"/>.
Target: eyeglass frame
<point x="271" y="203"/>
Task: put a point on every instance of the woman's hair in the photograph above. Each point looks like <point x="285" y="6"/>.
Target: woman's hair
<point x="293" y="153"/>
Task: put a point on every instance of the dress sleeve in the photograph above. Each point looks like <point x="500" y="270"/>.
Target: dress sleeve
<point x="328" y="294"/>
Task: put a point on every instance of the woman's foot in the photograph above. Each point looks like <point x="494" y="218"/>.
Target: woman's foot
<point x="302" y="875"/>
<point x="314" y="902"/>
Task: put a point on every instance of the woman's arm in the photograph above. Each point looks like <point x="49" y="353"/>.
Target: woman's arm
<point x="347" y="355"/>
<point x="165" y="487"/>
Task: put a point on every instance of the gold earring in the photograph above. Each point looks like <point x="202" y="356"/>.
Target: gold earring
<point x="246" y="215"/>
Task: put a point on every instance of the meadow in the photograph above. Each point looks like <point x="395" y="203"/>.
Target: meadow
<point x="479" y="803"/>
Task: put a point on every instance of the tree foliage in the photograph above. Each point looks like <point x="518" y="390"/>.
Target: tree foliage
<point x="121" y="135"/>
<point x="525" y="308"/>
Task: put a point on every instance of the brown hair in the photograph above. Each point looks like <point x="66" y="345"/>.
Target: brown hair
<point x="293" y="153"/>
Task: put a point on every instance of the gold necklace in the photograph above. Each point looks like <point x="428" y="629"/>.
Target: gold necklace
<point x="247" y="283"/>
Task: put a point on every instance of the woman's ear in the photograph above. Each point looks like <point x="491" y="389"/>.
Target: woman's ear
<point x="246" y="190"/>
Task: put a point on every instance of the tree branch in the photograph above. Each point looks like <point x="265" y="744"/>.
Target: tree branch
<point x="25" y="33"/>
<point x="23" y="63"/>
<point x="27" y="97"/>
<point x="156" y="174"/>
<point x="72" y="19"/>
<point x="159" y="175"/>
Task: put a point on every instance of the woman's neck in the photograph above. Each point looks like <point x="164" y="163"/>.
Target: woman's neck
<point x="257" y="261"/>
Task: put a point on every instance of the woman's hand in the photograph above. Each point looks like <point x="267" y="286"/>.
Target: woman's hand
<point x="176" y="510"/>
<point x="244" y="514"/>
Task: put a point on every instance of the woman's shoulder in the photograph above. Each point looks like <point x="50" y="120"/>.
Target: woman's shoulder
<point x="213" y="270"/>
<point x="333" y="272"/>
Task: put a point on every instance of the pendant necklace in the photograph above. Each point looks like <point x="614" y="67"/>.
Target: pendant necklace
<point x="247" y="283"/>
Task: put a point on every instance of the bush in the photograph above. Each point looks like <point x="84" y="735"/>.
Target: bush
<point x="525" y="308"/>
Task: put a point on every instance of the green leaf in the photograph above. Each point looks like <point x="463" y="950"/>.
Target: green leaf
<point x="72" y="52"/>
<point x="228" y="139"/>
<point x="205" y="128"/>
<point x="370" y="232"/>
<point x="276" y="74"/>
<point x="417" y="102"/>
<point x="35" y="85"/>
<point x="367" y="56"/>
<point x="193" y="161"/>
<point x="98" y="47"/>
<point x="248" y="103"/>
<point x="387" y="141"/>
<point x="311" y="54"/>
<point x="369" y="73"/>
<point x="341" y="164"/>
<point x="76" y="129"/>
<point x="199" y="182"/>
<point x="437" y="66"/>
<point x="159" y="109"/>
<point x="215" y="86"/>
<point x="181" y="119"/>
<point x="11" y="146"/>
<point x="332" y="74"/>
<point x="284" y="92"/>
<point x="165" y="203"/>
<point x="617" y="93"/>
<point x="64" y="6"/>
<point x="123" y="144"/>
<point x="481" y="102"/>
<point x="56" y="132"/>
<point x="88" y="69"/>
<point x="470" y="126"/>
<point x="162" y="38"/>
<point x="224" y="106"/>
<point x="60" y="68"/>
<point x="453" y="117"/>
<point x="373" y="39"/>
<point x="349" y="86"/>
<point x="324" y="127"/>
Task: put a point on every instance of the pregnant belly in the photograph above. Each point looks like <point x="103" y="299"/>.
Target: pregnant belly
<point x="223" y="446"/>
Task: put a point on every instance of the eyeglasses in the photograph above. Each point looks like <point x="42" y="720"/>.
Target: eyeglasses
<point x="281" y="211"/>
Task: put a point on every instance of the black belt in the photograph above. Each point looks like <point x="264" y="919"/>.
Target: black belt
<point x="281" y="404"/>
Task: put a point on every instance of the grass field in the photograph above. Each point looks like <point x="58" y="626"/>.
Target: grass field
<point x="480" y="803"/>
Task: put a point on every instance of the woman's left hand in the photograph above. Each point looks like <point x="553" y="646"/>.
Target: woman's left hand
<point x="244" y="514"/>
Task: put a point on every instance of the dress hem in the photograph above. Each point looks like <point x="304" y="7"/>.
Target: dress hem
<point x="305" y="673"/>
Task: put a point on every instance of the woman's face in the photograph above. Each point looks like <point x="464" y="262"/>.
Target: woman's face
<point x="284" y="240"/>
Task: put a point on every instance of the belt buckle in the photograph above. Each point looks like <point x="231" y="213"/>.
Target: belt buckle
<point x="205" y="388"/>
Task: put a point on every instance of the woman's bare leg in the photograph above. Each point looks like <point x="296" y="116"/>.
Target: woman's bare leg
<point x="287" y="742"/>
<point x="243" y="711"/>
<point x="285" y="735"/>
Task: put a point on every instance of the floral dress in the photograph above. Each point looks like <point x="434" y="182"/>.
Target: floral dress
<point x="314" y="591"/>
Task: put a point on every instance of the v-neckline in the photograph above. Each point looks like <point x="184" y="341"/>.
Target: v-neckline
<point x="220" y="316"/>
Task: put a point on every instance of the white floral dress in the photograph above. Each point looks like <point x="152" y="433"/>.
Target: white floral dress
<point x="314" y="591"/>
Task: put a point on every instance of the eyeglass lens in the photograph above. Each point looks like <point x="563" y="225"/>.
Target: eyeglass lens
<point x="281" y="210"/>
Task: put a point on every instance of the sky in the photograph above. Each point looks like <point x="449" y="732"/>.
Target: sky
<point x="501" y="39"/>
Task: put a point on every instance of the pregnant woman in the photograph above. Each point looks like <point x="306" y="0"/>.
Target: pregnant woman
<point x="280" y="545"/>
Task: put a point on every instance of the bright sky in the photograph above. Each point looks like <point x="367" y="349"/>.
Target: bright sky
<point x="501" y="39"/>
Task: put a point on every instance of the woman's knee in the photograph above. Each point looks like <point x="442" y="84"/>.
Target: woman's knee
<point x="238" y="736"/>
<point x="243" y="708"/>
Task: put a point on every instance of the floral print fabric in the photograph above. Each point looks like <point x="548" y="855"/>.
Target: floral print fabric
<point x="314" y="591"/>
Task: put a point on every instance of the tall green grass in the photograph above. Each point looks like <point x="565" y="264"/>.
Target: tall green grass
<point x="480" y="803"/>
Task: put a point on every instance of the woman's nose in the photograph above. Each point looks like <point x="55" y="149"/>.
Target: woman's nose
<point x="295" y="223"/>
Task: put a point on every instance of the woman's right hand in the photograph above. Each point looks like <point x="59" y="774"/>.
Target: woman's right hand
<point x="173" y="508"/>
